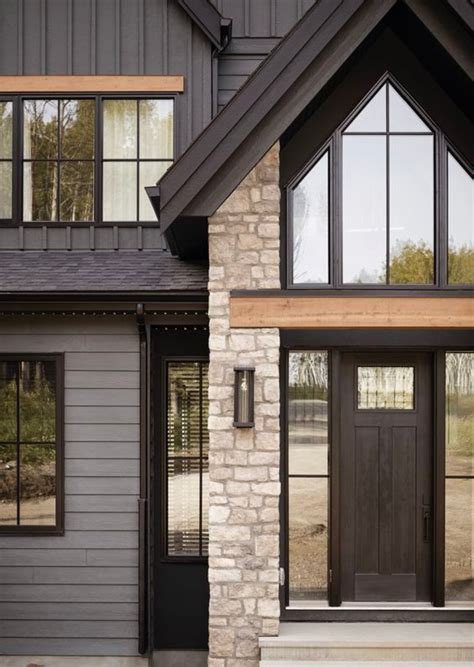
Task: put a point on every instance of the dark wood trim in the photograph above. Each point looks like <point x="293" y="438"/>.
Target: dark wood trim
<point x="334" y="560"/>
<point x="412" y="339"/>
<point x="58" y="529"/>
<point x="439" y="477"/>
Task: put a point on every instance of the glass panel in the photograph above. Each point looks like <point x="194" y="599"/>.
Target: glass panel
<point x="385" y="387"/>
<point x="37" y="401"/>
<point x="460" y="413"/>
<point x="459" y="539"/>
<point x="183" y="506"/>
<point x="156" y="129"/>
<point x="460" y="224"/>
<point x="77" y="129"/>
<point x="5" y="190"/>
<point x="150" y="173"/>
<point x="402" y="117"/>
<point x="373" y="117"/>
<point x="184" y="425"/>
<point x="411" y="210"/>
<point x="6" y="130"/>
<point x="37" y="485"/>
<point x="77" y="191"/>
<point x="205" y="409"/>
<point x="364" y="209"/>
<point x="40" y="138"/>
<point x="308" y="413"/>
<point x="8" y="399"/>
<point x="308" y="539"/>
<point x="40" y="180"/>
<point x="120" y="129"/>
<point x="8" y="485"/>
<point x="120" y="191"/>
<point x="310" y="200"/>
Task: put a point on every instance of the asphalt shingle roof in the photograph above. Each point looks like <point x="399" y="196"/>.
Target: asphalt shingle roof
<point x="99" y="271"/>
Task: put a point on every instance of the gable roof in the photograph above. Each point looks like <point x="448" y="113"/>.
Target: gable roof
<point x="272" y="98"/>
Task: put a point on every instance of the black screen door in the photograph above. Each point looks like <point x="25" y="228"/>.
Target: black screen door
<point x="386" y="477"/>
<point x="180" y="488"/>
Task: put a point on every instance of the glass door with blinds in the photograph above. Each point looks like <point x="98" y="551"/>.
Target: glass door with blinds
<point x="180" y="489"/>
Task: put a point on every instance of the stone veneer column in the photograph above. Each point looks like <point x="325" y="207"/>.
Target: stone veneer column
<point x="244" y="464"/>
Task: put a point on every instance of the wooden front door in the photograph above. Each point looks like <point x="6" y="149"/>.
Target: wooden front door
<point x="386" y="477"/>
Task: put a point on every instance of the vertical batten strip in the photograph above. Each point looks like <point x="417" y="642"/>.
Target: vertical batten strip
<point x="117" y="36"/>
<point x="141" y="37"/>
<point x="164" y="5"/>
<point x="43" y="37"/>
<point x="20" y="68"/>
<point x="69" y="36"/>
<point x="93" y="27"/>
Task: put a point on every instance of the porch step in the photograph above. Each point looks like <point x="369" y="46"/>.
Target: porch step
<point x="344" y="644"/>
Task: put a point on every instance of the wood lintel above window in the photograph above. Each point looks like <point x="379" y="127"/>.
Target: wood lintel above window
<point x="352" y="312"/>
<point x="91" y="84"/>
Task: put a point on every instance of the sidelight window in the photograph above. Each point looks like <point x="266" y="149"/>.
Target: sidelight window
<point x="30" y="445"/>
<point x="308" y="477"/>
<point x="187" y="450"/>
<point x="366" y="211"/>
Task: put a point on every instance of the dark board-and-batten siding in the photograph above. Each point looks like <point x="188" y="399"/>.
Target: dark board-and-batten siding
<point x="78" y="593"/>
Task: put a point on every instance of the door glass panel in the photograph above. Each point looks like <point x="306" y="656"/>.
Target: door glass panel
<point x="385" y="387"/>
<point x="310" y="204"/>
<point x="308" y="413"/>
<point x="364" y="209"/>
<point x="187" y="445"/>
<point x="411" y="210"/>
<point x="460" y="224"/>
<point x="373" y="117"/>
<point x="460" y="413"/>
<point x="308" y="535"/>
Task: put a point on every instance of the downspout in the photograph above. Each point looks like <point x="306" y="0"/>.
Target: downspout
<point x="143" y="578"/>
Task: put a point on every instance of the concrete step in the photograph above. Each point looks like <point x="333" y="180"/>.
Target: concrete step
<point x="305" y="644"/>
<point x="364" y="663"/>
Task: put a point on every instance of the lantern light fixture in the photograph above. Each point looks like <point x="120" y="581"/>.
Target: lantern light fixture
<point x="244" y="378"/>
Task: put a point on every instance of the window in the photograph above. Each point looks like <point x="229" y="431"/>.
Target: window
<point x="385" y="387"/>
<point x="31" y="444"/>
<point x="84" y="159"/>
<point x="366" y="211"/>
<point x="308" y="476"/>
<point x="187" y="451"/>
<point x="459" y="566"/>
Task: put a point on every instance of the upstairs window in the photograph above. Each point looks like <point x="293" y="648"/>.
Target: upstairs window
<point x="367" y="212"/>
<point x="84" y="159"/>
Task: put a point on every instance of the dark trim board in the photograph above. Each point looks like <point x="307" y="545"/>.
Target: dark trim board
<point x="413" y="339"/>
<point x="343" y="615"/>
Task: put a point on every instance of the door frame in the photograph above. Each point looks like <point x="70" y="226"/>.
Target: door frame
<point x="336" y="341"/>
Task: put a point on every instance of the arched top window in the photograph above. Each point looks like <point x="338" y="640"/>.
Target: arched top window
<point x="386" y="203"/>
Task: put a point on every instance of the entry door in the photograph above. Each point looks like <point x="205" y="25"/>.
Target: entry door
<point x="180" y="488"/>
<point x="386" y="477"/>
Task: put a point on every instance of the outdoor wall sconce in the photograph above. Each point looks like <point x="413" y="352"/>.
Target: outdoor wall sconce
<point x="244" y="397"/>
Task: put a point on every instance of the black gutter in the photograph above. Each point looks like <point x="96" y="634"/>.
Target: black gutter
<point x="143" y="588"/>
<point x="105" y="297"/>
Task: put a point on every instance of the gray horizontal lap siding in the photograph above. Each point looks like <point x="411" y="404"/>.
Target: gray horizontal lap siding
<point x="77" y="594"/>
<point x="108" y="37"/>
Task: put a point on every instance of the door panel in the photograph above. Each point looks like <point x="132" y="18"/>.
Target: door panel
<point x="180" y="451"/>
<point x="386" y="475"/>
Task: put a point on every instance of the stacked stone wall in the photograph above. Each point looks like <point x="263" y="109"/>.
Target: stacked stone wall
<point x="244" y="464"/>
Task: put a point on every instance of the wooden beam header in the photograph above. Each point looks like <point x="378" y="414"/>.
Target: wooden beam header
<point x="314" y="312"/>
<point x="91" y="84"/>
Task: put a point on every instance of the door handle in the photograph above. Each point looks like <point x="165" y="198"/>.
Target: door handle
<point x="426" y="515"/>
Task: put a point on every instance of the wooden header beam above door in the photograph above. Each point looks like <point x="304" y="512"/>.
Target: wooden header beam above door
<point x="91" y="84"/>
<point x="356" y="312"/>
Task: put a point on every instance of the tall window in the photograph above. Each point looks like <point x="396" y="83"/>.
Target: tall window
<point x="366" y="211"/>
<point x="30" y="444"/>
<point x="187" y="452"/>
<point x="308" y="476"/>
<point x="85" y="159"/>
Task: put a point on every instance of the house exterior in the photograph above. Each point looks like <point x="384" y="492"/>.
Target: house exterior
<point x="236" y="330"/>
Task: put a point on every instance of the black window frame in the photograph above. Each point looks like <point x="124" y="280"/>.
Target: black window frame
<point x="58" y="528"/>
<point x="98" y="159"/>
<point x="442" y="146"/>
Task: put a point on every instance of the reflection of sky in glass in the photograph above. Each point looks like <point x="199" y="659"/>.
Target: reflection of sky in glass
<point x="402" y="116"/>
<point x="461" y="205"/>
<point x="311" y="218"/>
<point x="373" y="117"/>
<point x="364" y="209"/>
